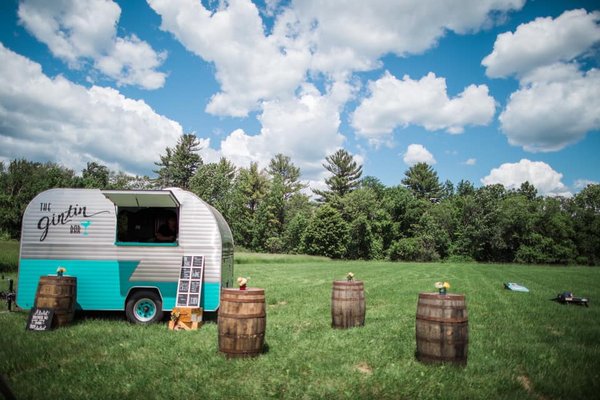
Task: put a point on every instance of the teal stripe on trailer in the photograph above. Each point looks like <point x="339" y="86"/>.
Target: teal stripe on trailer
<point x="210" y="296"/>
<point x="101" y="284"/>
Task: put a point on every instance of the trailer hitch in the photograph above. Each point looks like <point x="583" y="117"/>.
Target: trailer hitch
<point x="8" y="296"/>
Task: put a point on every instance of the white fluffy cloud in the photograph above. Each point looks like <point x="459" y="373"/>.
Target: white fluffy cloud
<point x="542" y="42"/>
<point x="43" y="118"/>
<point x="557" y="103"/>
<point x="583" y="183"/>
<point x="250" y="66"/>
<point x="555" y="108"/>
<point x="546" y="180"/>
<point x="393" y="102"/>
<point x="417" y="153"/>
<point x="78" y="31"/>
<point x="335" y="38"/>
<point x="354" y="34"/>
<point x="471" y="161"/>
<point x="305" y="128"/>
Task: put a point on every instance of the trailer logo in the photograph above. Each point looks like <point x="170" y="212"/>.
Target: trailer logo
<point x="65" y="217"/>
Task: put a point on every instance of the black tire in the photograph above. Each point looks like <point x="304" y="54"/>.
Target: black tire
<point x="144" y="307"/>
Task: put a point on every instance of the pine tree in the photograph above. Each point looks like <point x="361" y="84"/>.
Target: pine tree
<point x="345" y="177"/>
<point x="179" y="164"/>
<point x="423" y="181"/>
<point x="283" y="167"/>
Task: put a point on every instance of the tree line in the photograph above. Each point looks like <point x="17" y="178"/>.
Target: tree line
<point x="356" y="217"/>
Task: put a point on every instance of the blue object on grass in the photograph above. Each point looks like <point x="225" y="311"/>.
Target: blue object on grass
<point x="515" y="287"/>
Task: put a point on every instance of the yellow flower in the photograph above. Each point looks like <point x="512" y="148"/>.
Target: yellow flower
<point x="61" y="270"/>
<point x="446" y="285"/>
<point x="439" y="285"/>
<point x="242" y="281"/>
<point x="350" y="276"/>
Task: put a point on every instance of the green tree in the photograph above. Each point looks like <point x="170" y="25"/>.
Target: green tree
<point x="326" y="233"/>
<point x="281" y="166"/>
<point x="528" y="190"/>
<point x="404" y="211"/>
<point x="345" y="177"/>
<point x="95" y="176"/>
<point x="270" y="215"/>
<point x="374" y="184"/>
<point x="214" y="183"/>
<point x="516" y="218"/>
<point x="122" y="181"/>
<point x="179" y="164"/>
<point x="436" y="229"/>
<point x="20" y="182"/>
<point x="465" y="188"/>
<point x="250" y="187"/>
<point x="585" y="209"/>
<point x="423" y="181"/>
<point x="550" y="237"/>
<point x="479" y="233"/>
<point x="366" y="219"/>
<point x="294" y="231"/>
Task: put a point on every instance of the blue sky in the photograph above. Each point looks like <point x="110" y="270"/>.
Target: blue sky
<point x="493" y="91"/>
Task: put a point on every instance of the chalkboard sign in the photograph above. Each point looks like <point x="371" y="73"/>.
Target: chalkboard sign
<point x="189" y="287"/>
<point x="40" y="319"/>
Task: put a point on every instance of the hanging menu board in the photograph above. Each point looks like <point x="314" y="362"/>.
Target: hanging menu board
<point x="189" y="287"/>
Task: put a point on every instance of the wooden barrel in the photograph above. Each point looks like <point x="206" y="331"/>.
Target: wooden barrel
<point x="442" y="328"/>
<point x="242" y="322"/>
<point x="347" y="304"/>
<point x="60" y="294"/>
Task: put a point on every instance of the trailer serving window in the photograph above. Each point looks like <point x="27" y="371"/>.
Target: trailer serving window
<point x="145" y="218"/>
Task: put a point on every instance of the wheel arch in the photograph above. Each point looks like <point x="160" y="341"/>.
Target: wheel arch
<point x="135" y="289"/>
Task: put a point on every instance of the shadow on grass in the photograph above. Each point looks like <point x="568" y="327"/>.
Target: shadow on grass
<point x="82" y="316"/>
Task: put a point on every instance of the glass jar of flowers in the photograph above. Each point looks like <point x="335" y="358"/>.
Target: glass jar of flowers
<point x="442" y="287"/>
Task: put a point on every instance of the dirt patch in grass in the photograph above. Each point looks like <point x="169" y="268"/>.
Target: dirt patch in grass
<point x="525" y="382"/>
<point x="364" y="368"/>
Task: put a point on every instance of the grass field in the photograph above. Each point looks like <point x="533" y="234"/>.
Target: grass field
<point x="522" y="345"/>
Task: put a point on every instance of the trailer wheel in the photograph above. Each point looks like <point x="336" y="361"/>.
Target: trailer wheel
<point x="144" y="307"/>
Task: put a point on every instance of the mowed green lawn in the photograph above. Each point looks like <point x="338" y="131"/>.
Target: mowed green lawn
<point x="522" y="345"/>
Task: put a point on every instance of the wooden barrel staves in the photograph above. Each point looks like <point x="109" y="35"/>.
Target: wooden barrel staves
<point x="60" y="294"/>
<point x="347" y="304"/>
<point x="242" y="322"/>
<point x="442" y="328"/>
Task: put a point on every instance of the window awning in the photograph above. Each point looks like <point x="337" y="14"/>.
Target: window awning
<point x="141" y="198"/>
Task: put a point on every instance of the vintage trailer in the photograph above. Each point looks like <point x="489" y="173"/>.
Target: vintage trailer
<point x="109" y="241"/>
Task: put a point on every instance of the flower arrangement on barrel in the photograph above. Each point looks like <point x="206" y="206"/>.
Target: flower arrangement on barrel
<point x="60" y="271"/>
<point x="242" y="282"/>
<point x="442" y="287"/>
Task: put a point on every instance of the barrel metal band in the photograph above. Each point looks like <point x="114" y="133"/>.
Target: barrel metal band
<point x="347" y="299"/>
<point x="437" y="340"/>
<point x="247" y="316"/>
<point x="238" y="300"/>
<point x="437" y="319"/>
<point x="442" y="307"/>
